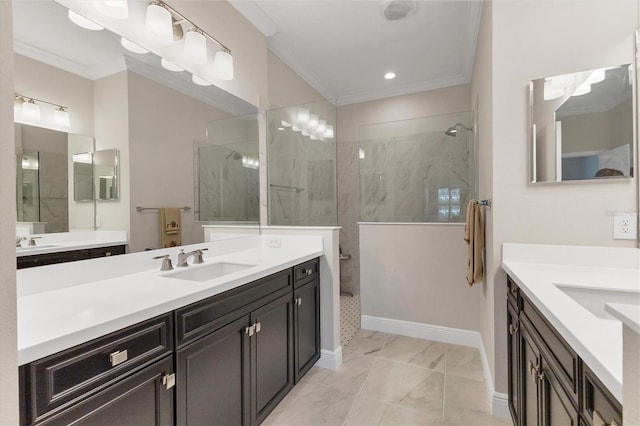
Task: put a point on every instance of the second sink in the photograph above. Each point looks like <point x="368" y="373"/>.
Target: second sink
<point x="209" y="271"/>
<point x="594" y="300"/>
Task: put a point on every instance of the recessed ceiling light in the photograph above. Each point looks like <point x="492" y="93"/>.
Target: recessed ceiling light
<point x="390" y="75"/>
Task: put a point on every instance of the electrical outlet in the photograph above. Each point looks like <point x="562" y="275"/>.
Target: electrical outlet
<point x="274" y="242"/>
<point x="625" y="226"/>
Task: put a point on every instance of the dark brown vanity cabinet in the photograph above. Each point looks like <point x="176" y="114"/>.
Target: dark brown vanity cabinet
<point x="67" y="256"/>
<point x="548" y="383"/>
<point x="237" y="354"/>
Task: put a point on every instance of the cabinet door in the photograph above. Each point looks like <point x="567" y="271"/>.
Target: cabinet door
<point x="306" y="310"/>
<point x="529" y="365"/>
<point x="272" y="356"/>
<point x="213" y="378"/>
<point x="140" y="399"/>
<point x="557" y="408"/>
<point x="513" y="347"/>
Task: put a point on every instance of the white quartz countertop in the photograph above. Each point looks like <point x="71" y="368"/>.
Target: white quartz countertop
<point x="542" y="271"/>
<point x="628" y="314"/>
<point x="58" y="318"/>
<point x="69" y="241"/>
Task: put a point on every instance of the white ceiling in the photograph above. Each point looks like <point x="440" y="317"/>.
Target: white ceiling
<point x="344" y="47"/>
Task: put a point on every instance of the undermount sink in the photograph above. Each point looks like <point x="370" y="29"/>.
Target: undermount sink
<point x="594" y="300"/>
<point x="39" y="246"/>
<point x="208" y="272"/>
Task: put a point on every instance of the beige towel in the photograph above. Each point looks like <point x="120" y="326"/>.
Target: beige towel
<point x="170" y="234"/>
<point x="474" y="237"/>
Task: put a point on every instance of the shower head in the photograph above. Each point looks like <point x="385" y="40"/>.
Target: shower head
<point x="234" y="156"/>
<point x="453" y="130"/>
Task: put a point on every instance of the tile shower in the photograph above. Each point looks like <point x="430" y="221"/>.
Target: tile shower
<point x="301" y="169"/>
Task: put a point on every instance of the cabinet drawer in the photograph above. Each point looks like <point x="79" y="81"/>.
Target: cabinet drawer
<point x="60" y="379"/>
<point x="106" y="251"/>
<point x="201" y="318"/>
<point x="51" y="258"/>
<point x="562" y="357"/>
<point x="305" y="272"/>
<point x="598" y="402"/>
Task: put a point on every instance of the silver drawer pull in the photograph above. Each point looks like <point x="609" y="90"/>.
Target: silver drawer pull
<point x="258" y="327"/>
<point x="117" y="357"/>
<point x="299" y="301"/>
<point x="169" y="380"/>
<point x="308" y="271"/>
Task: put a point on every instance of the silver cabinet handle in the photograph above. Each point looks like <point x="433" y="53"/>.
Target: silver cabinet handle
<point x="513" y="328"/>
<point x="309" y="271"/>
<point x="117" y="357"/>
<point x="250" y="330"/>
<point x="299" y="301"/>
<point x="534" y="369"/>
<point x="258" y="327"/>
<point x="169" y="380"/>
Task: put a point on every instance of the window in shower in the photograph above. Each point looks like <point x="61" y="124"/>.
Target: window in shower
<point x="420" y="170"/>
<point x="301" y="169"/>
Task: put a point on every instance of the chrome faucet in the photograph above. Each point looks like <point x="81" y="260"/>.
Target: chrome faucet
<point x="19" y="240"/>
<point x="183" y="257"/>
<point x="32" y="241"/>
<point x="166" y="262"/>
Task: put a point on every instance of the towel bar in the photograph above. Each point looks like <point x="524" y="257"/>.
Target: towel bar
<point x="485" y="203"/>
<point x="141" y="209"/>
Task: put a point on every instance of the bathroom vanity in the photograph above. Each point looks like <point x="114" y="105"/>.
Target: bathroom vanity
<point x="564" y="350"/>
<point x="217" y="343"/>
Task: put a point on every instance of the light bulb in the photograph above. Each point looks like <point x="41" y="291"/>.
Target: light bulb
<point x="132" y="47"/>
<point x="61" y="117"/>
<point x="303" y="115"/>
<point x="195" y="47"/>
<point x="158" y="23"/>
<point x="313" y="121"/>
<point x="31" y="110"/>
<point x="200" y="81"/>
<point x="83" y="22"/>
<point x="168" y="65"/>
<point x="117" y="9"/>
<point x="223" y="65"/>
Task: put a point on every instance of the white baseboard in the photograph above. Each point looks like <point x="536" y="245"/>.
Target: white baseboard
<point x="331" y="360"/>
<point x="456" y="336"/>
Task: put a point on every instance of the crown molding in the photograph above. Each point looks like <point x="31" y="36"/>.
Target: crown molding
<point x="49" y="58"/>
<point x="256" y="16"/>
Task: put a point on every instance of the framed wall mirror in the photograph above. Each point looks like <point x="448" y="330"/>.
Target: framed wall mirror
<point x="105" y="174"/>
<point x="582" y="125"/>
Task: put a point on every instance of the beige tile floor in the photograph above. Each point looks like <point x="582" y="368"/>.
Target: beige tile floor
<point x="392" y="380"/>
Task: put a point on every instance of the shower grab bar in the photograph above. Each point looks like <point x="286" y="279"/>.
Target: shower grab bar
<point x="293" y="188"/>
<point x="141" y="209"/>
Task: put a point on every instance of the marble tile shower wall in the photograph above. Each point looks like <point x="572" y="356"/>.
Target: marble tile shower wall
<point x="301" y="175"/>
<point x="54" y="203"/>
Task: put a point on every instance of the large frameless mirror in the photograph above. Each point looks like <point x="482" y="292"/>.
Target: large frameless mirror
<point x="582" y="125"/>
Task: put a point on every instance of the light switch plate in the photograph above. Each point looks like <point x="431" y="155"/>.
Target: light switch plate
<point x="625" y="226"/>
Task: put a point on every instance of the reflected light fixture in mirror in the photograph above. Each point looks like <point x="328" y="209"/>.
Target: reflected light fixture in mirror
<point x="132" y="47"/>
<point x="200" y="81"/>
<point x="28" y="109"/>
<point x="168" y="65"/>
<point x="83" y="22"/>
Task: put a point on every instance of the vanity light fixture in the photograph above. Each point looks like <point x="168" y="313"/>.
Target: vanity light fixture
<point x="165" y="24"/>
<point x="302" y="116"/>
<point x="61" y="117"/>
<point x="195" y="46"/>
<point x="390" y="75"/>
<point x="132" y="47"/>
<point x="29" y="109"/>
<point x="313" y="121"/>
<point x="322" y="126"/>
<point x="329" y="132"/>
<point x="170" y="66"/>
<point x="200" y="81"/>
<point x="83" y="22"/>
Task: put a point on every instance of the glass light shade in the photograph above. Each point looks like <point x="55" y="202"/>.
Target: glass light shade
<point x="322" y="126"/>
<point x="200" y="81"/>
<point x="313" y="121"/>
<point x="551" y="91"/>
<point x="168" y="65"/>
<point x="223" y="65"/>
<point x="390" y="75"/>
<point x="329" y="132"/>
<point x="117" y="9"/>
<point x="303" y="115"/>
<point x="17" y="107"/>
<point x="61" y="117"/>
<point x="195" y="47"/>
<point x="132" y="47"/>
<point x="31" y="110"/>
<point x="83" y="22"/>
<point x="583" y="89"/>
<point x="158" y="24"/>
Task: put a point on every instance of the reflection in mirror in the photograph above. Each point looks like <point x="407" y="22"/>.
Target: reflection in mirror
<point x="43" y="204"/>
<point x="582" y="125"/>
<point x="105" y="172"/>
<point x="83" y="177"/>
<point x="128" y="103"/>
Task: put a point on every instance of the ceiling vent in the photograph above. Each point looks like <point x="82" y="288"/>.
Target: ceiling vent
<point x="398" y="9"/>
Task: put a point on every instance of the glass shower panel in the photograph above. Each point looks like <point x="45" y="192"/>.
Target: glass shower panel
<point x="28" y="187"/>
<point x="227" y="171"/>
<point x="301" y="169"/>
<point x="420" y="170"/>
